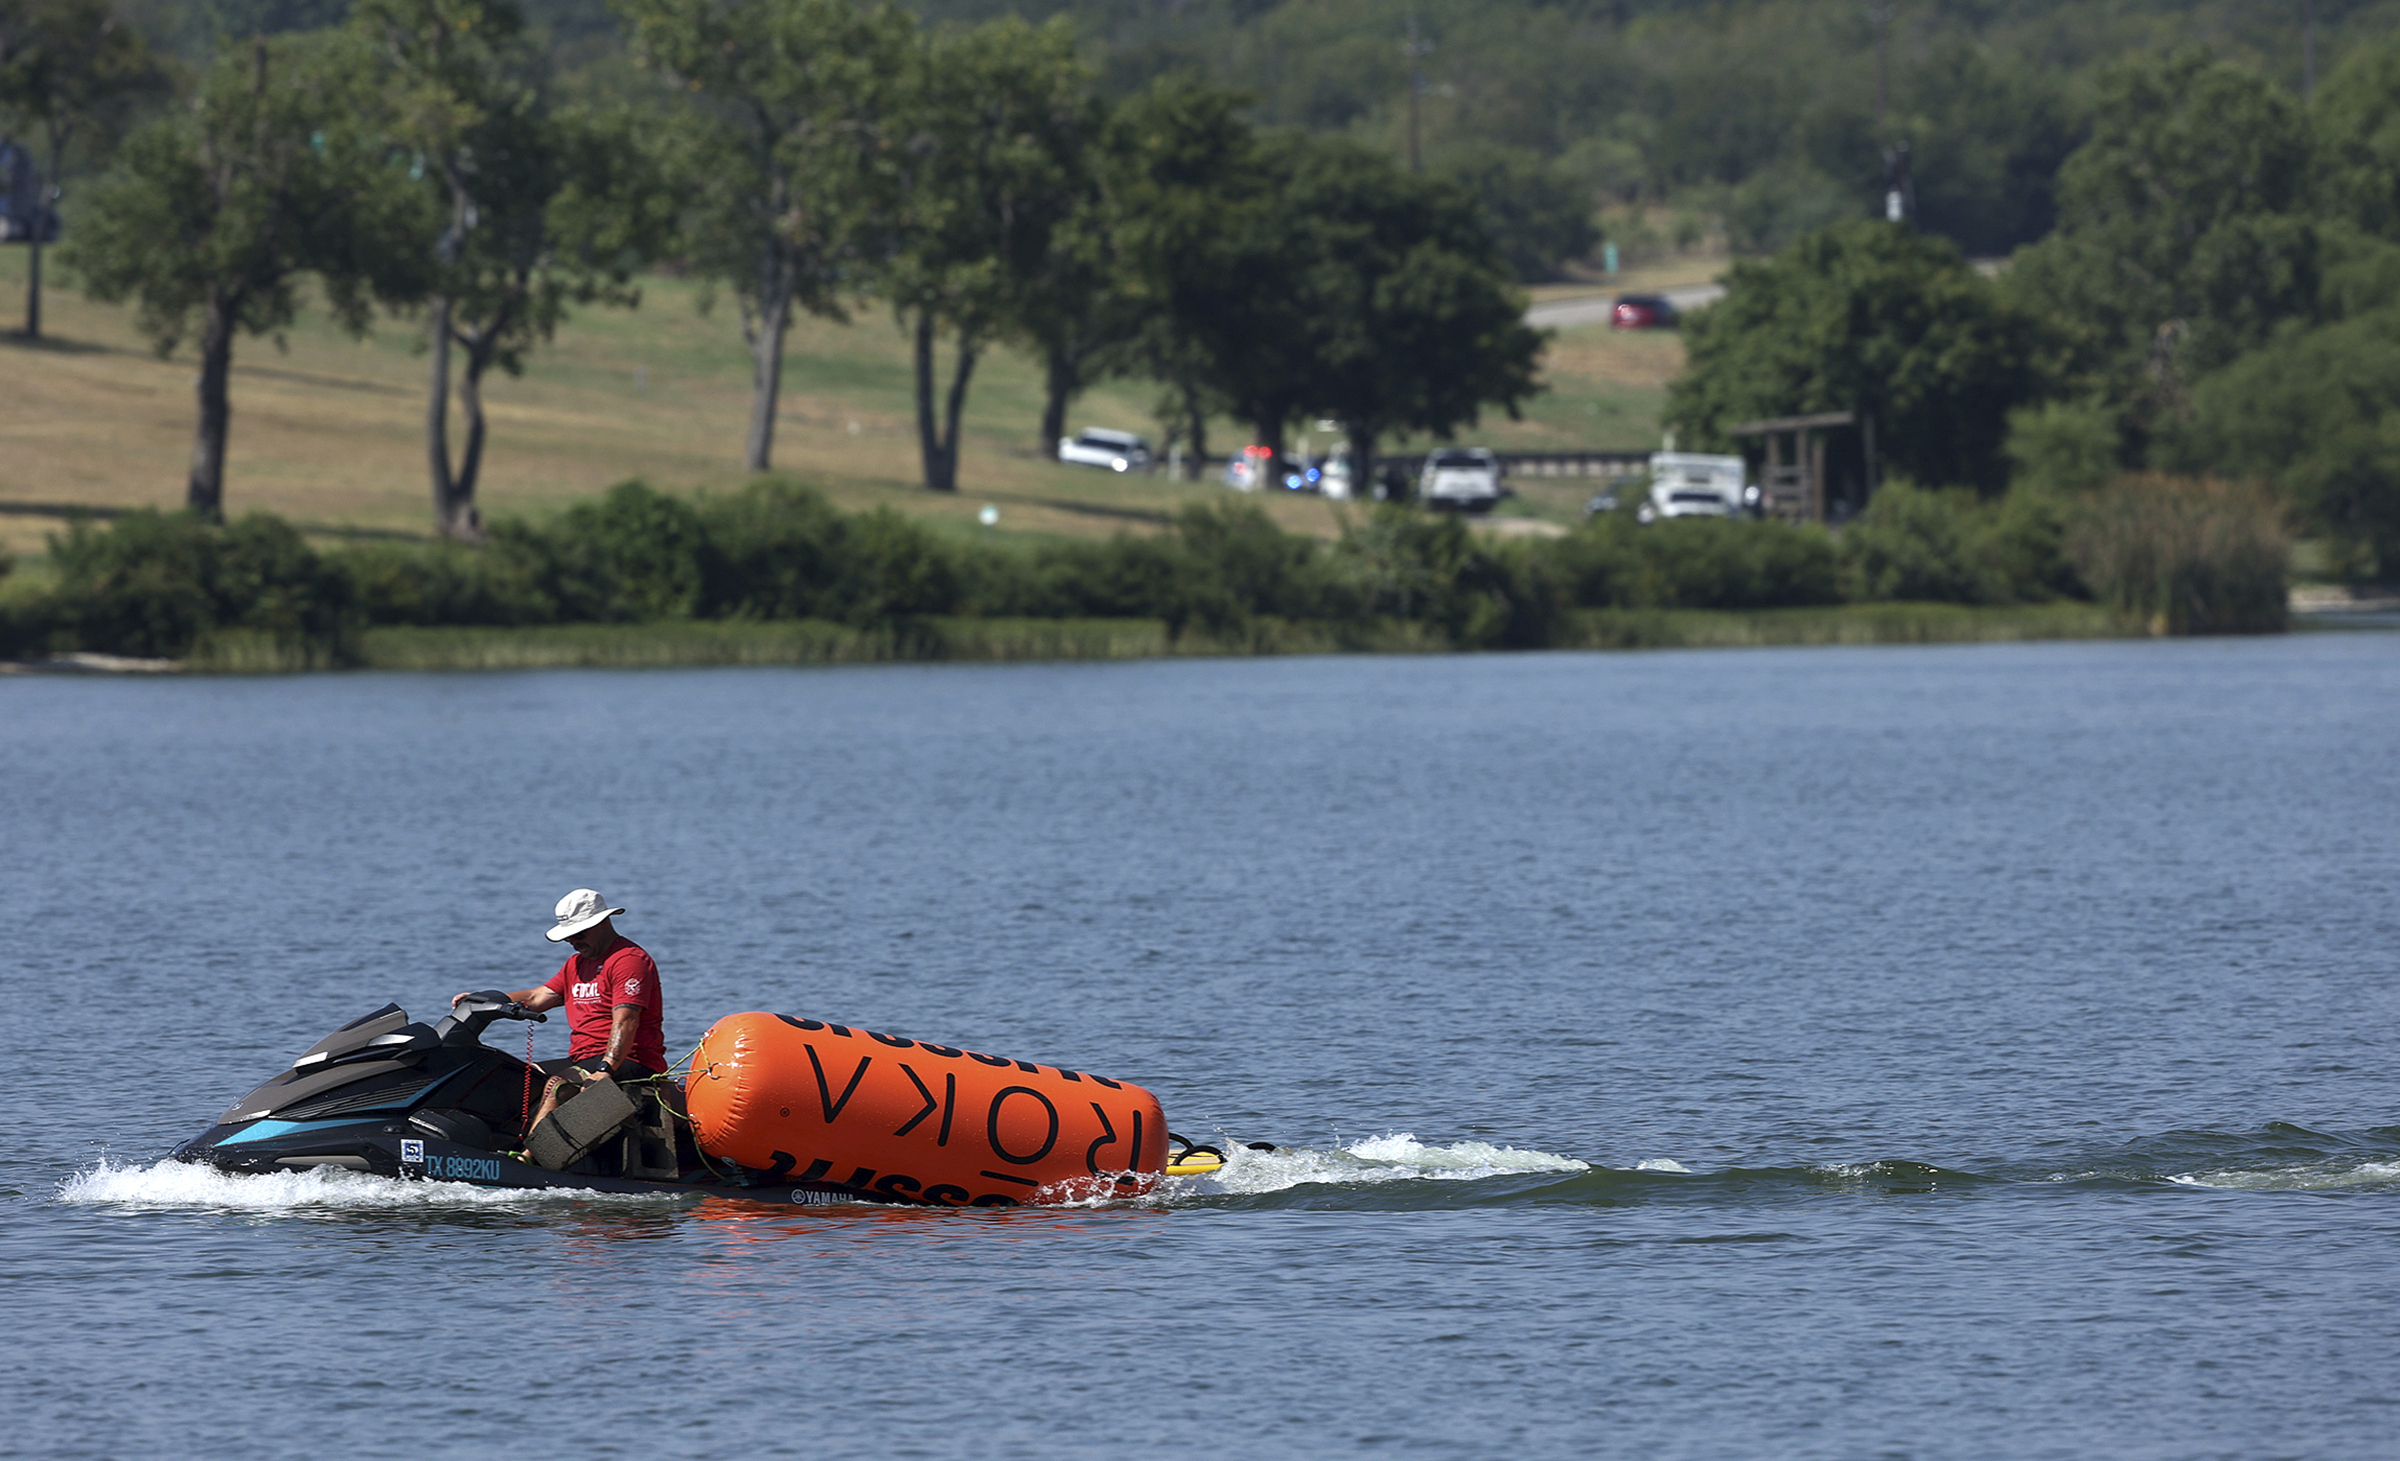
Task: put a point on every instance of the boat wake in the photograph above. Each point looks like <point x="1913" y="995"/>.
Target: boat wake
<point x="2277" y="1157"/>
<point x="172" y="1184"/>
<point x="1398" y="1157"/>
<point x="2364" y="1176"/>
<point x="1398" y="1169"/>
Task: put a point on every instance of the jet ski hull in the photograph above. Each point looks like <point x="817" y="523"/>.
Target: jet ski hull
<point x="387" y="1148"/>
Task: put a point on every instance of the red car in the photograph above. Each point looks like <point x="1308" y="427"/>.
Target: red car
<point x="1642" y="312"/>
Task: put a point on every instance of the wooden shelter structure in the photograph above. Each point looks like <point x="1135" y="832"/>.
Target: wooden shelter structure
<point x="1792" y="483"/>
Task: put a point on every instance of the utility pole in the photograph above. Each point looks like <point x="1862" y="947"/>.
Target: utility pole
<point x="2308" y="50"/>
<point x="1416" y="51"/>
<point x="1899" y="190"/>
<point x="1880" y="14"/>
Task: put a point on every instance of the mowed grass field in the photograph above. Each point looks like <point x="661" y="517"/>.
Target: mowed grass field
<point x="329" y="431"/>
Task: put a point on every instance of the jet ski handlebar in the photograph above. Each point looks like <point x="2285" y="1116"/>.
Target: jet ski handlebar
<point x="465" y="1023"/>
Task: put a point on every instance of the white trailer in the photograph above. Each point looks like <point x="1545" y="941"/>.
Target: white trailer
<point x="1692" y="484"/>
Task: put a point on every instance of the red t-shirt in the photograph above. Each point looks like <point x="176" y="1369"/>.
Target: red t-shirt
<point x="594" y="987"/>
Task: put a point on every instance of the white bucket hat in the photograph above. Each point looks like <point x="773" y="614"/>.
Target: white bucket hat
<point x="578" y="911"/>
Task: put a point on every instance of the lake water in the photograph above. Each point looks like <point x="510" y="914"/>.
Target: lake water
<point x="1938" y="1053"/>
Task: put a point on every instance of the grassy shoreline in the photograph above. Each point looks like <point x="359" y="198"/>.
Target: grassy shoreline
<point x="690" y="643"/>
<point x="329" y="433"/>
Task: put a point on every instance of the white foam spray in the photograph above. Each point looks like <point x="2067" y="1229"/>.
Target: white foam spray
<point x="1398" y="1157"/>
<point x="174" y="1184"/>
<point x="2366" y="1175"/>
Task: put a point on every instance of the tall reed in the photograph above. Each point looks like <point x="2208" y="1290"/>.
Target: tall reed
<point x="2185" y="555"/>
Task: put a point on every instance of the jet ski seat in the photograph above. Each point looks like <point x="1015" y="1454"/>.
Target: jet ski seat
<point x="640" y="1120"/>
<point x="579" y="1125"/>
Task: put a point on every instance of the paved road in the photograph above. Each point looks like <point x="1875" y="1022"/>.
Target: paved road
<point x="1593" y="309"/>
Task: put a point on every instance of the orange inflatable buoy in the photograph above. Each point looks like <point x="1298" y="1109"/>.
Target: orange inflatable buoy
<point x="909" y="1121"/>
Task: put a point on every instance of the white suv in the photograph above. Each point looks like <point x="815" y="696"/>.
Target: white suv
<point x="1119" y="451"/>
<point x="1462" y="478"/>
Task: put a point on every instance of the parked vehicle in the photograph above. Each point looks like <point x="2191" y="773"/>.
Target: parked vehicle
<point x="1118" y="451"/>
<point x="1333" y="477"/>
<point x="1642" y="312"/>
<point x="1461" y="479"/>
<point x="1691" y="484"/>
<point x="1245" y="469"/>
<point x="24" y="213"/>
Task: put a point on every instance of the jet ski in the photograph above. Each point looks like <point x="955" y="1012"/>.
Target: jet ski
<point x="395" y="1097"/>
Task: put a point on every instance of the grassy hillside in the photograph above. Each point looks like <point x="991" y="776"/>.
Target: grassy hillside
<point x="329" y="432"/>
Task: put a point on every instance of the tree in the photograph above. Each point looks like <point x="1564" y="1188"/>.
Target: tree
<point x="1183" y="175"/>
<point x="72" y="69"/>
<point x="991" y="171"/>
<point x="783" y="151"/>
<point x="2184" y="234"/>
<point x="2357" y="121"/>
<point x="2316" y="414"/>
<point x="215" y="214"/>
<point x="1868" y="316"/>
<point x="538" y="209"/>
<point x="1415" y="325"/>
<point x="1301" y="276"/>
<point x="1209" y="240"/>
<point x="1538" y="215"/>
<point x="1076" y="305"/>
<point x="1987" y="134"/>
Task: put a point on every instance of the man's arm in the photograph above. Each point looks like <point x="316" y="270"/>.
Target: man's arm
<point x="624" y="1026"/>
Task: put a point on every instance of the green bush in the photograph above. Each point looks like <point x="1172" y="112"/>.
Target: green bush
<point x="2185" y="555"/>
<point x="774" y="550"/>
<point x="2063" y="446"/>
<point x="897" y="570"/>
<point x="1402" y="565"/>
<point x="1952" y="547"/>
<point x="1694" y="563"/>
<point x="1124" y="577"/>
<point x="156" y="584"/>
<point x="1231" y="564"/>
<point x="779" y="552"/>
<point x="637" y="553"/>
<point x="507" y="582"/>
<point x="2191" y="557"/>
<point x="2316" y="413"/>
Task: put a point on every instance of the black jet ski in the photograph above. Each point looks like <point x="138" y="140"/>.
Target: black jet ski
<point x="393" y="1097"/>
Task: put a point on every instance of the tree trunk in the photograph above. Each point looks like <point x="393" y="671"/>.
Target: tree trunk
<point x="45" y="208"/>
<point x="1062" y="374"/>
<point x="464" y="522"/>
<point x="33" y="284"/>
<point x="937" y="440"/>
<point x="766" y="354"/>
<point x="957" y="407"/>
<point x="929" y="440"/>
<point x="1198" y="417"/>
<point x="205" y="494"/>
<point x="1362" y="461"/>
<point x="1269" y="425"/>
<point x="437" y="414"/>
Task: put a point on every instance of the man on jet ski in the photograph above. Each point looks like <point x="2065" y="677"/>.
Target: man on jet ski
<point x="610" y="989"/>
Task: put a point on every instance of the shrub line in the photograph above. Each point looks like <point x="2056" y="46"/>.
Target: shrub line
<point x="774" y="575"/>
